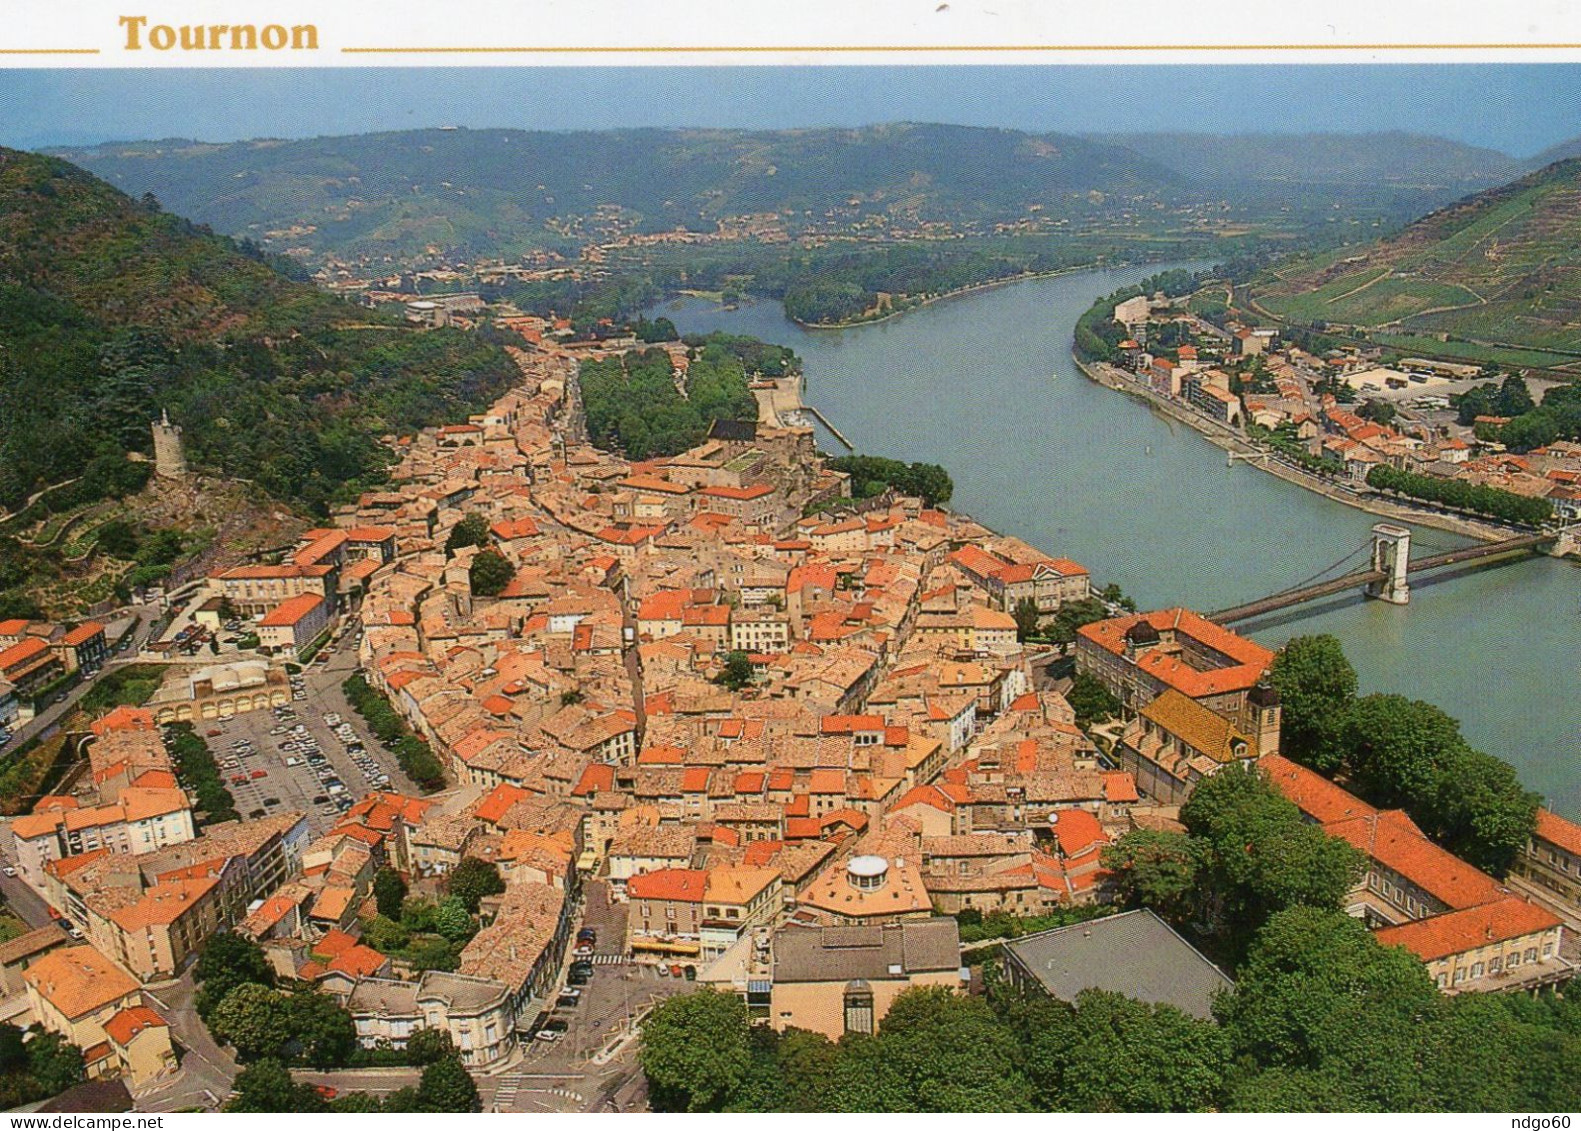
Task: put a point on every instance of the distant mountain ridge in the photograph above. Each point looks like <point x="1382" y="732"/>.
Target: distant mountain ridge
<point x="489" y="189"/>
<point x="1394" y="158"/>
<point x="501" y="192"/>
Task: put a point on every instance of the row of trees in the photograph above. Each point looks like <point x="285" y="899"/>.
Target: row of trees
<point x="1322" y="1019"/>
<point x="416" y="757"/>
<point x="1398" y="752"/>
<point x="1506" y="506"/>
<point x="873" y="475"/>
<point x="199" y="774"/>
<point x="445" y="1086"/>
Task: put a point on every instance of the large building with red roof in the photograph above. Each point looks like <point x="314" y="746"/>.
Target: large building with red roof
<point x="1552" y="860"/>
<point x="1469" y="930"/>
<point x="1140" y="656"/>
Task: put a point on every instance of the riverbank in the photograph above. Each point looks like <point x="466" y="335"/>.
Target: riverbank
<point x="1230" y="440"/>
<point x="957" y="293"/>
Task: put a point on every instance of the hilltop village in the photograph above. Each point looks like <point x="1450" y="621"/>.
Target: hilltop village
<point x="704" y="715"/>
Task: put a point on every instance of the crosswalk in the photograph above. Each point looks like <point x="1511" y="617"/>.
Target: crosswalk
<point x="608" y="959"/>
<point x="512" y="1085"/>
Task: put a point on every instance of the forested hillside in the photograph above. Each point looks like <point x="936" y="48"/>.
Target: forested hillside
<point x="111" y="310"/>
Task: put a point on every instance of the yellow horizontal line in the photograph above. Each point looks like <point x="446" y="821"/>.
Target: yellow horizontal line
<point x="717" y="49"/>
<point x="49" y="50"/>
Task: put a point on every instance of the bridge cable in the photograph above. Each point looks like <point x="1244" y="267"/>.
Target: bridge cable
<point x="1367" y="549"/>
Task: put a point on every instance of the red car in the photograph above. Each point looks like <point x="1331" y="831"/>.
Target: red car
<point x="213" y="733"/>
<point x="239" y="779"/>
<point x="260" y="774"/>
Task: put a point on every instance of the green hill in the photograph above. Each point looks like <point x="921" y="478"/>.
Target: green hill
<point x="111" y="310"/>
<point x="1394" y="162"/>
<point x="499" y="192"/>
<point x="1493" y="272"/>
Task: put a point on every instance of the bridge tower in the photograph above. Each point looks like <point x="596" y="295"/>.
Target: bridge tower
<point x="1391" y="555"/>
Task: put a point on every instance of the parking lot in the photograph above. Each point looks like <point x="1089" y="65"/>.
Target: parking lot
<point x="307" y="756"/>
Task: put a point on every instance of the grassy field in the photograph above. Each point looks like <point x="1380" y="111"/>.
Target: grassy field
<point x="1411" y="345"/>
<point x="131" y="686"/>
<point x="1366" y="298"/>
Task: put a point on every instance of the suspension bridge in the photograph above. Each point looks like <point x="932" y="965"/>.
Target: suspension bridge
<point x="1387" y="573"/>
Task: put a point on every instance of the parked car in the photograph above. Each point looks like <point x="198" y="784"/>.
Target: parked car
<point x="214" y="732"/>
<point x="10" y="871"/>
<point x="260" y="774"/>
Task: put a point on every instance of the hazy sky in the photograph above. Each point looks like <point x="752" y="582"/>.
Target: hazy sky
<point x="1517" y="109"/>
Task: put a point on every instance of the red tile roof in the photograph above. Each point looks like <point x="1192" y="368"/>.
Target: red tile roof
<point x="83" y="633"/>
<point x="681" y="884"/>
<point x="292" y="610"/>
<point x="1455" y="932"/>
<point x="1558" y="831"/>
<point x="131" y="1021"/>
<point x="1250" y="659"/>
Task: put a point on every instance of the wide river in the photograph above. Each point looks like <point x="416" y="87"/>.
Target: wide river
<point x="984" y="384"/>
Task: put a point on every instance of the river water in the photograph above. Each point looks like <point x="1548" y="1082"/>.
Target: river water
<point x="984" y="384"/>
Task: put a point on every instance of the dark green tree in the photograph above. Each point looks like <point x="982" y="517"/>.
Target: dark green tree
<point x="1316" y="686"/>
<point x="402" y="1100"/>
<point x="1395" y="745"/>
<point x="322" y="1029"/>
<point x="255" y="1019"/>
<point x="356" y="1103"/>
<point x="1156" y="869"/>
<point x="941" y="1051"/>
<point x="1316" y="989"/>
<point x="267" y="1087"/>
<point x="1257" y="856"/>
<point x="473" y="879"/>
<point x="695" y="1051"/>
<point x="54" y="1062"/>
<point x="1478" y="809"/>
<point x="472" y="530"/>
<point x="452" y="920"/>
<point x="1124" y="1055"/>
<point x="447" y="1086"/>
<point x="1027" y="618"/>
<point x="1091" y="700"/>
<point x="428" y="1045"/>
<point x="389" y="892"/>
<point x="12" y="1053"/>
<point x="489" y="573"/>
<point x="228" y="960"/>
<point x="737" y="671"/>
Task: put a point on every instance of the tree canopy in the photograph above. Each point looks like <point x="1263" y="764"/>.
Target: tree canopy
<point x="472" y="879"/>
<point x="489" y="573"/>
